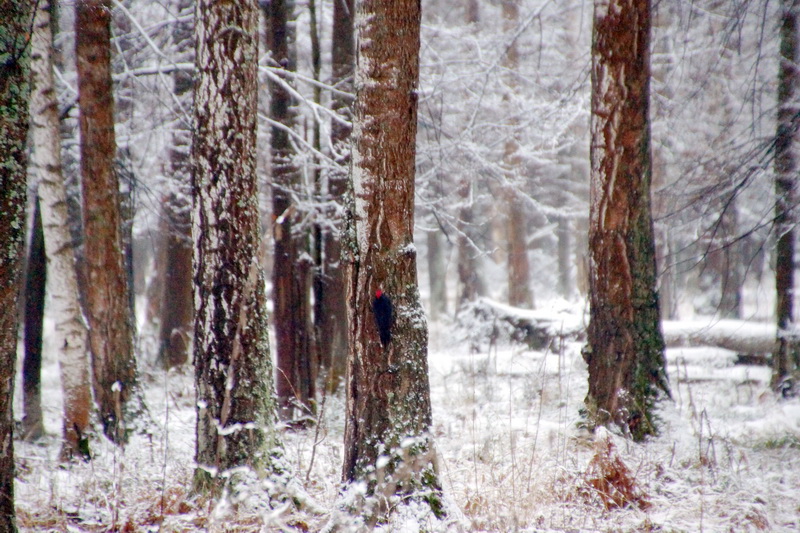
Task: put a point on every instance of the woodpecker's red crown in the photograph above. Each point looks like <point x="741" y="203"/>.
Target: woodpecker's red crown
<point x="378" y="293"/>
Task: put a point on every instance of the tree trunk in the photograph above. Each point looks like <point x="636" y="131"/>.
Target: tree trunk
<point x="519" y="270"/>
<point x="111" y="325"/>
<point x="388" y="395"/>
<point x="625" y="350"/>
<point x="437" y="274"/>
<point x="32" y="422"/>
<point x="295" y="380"/>
<point x="70" y="334"/>
<point x="233" y="368"/>
<point x="470" y="280"/>
<point x="177" y="312"/>
<point x="331" y="321"/>
<point x="786" y="359"/>
<point x="15" y="25"/>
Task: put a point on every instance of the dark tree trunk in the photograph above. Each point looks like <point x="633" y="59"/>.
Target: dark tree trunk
<point x="625" y="350"/>
<point x="177" y="311"/>
<point x="787" y="357"/>
<point x="295" y="377"/>
<point x="331" y="318"/>
<point x="111" y="325"/>
<point x="233" y="367"/>
<point x="15" y="26"/>
<point x="35" y="280"/>
<point x="388" y="395"/>
<point x="470" y="280"/>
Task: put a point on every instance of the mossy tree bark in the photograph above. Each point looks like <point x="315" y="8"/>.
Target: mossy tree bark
<point x="233" y="370"/>
<point x="787" y="358"/>
<point x="625" y="350"/>
<point x="108" y="309"/>
<point x="15" y="25"/>
<point x="388" y="395"/>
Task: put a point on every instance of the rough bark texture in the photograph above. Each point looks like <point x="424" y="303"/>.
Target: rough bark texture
<point x="14" y="91"/>
<point x="787" y="357"/>
<point x="111" y="326"/>
<point x="295" y="376"/>
<point x="35" y="279"/>
<point x="625" y="350"/>
<point x="177" y="311"/>
<point x="388" y="395"/>
<point x="233" y="369"/>
<point x="332" y="319"/>
<point x="70" y="333"/>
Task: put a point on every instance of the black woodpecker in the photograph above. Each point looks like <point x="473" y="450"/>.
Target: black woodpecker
<point x="384" y="316"/>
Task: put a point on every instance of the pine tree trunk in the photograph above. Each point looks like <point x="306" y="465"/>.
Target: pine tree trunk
<point x="332" y="319"/>
<point x="388" y="395"/>
<point x="519" y="270"/>
<point x="70" y="333"/>
<point x="111" y="326"/>
<point x="14" y="92"/>
<point x="295" y="379"/>
<point x="233" y="369"/>
<point x="35" y="280"/>
<point x="177" y="311"/>
<point x="788" y="357"/>
<point x="625" y="351"/>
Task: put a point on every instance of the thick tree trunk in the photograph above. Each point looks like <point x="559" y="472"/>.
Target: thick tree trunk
<point x="15" y="25"/>
<point x="788" y="356"/>
<point x="35" y="280"/>
<point x="233" y="369"/>
<point x="388" y="395"/>
<point x="331" y="321"/>
<point x="295" y="377"/>
<point x="111" y="325"/>
<point x="177" y="311"/>
<point x="70" y="333"/>
<point x="625" y="351"/>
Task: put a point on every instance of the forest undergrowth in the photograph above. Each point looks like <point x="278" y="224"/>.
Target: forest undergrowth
<point x="512" y="456"/>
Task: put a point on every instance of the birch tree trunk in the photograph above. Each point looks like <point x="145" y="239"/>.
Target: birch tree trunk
<point x="625" y="350"/>
<point x="233" y="370"/>
<point x="14" y="92"/>
<point x="787" y="358"/>
<point x="388" y="396"/>
<point x="70" y="333"/>
<point x="111" y="325"/>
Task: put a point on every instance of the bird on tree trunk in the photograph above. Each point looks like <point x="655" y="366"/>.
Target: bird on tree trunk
<point x="384" y="316"/>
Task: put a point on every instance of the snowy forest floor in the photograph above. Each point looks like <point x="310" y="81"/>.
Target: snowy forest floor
<point x="512" y="456"/>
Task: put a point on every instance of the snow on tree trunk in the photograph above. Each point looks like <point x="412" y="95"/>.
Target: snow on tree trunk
<point x="233" y="369"/>
<point x="388" y="396"/>
<point x="295" y="379"/>
<point x="14" y="92"/>
<point x="625" y="350"/>
<point x="111" y="324"/>
<point x="176" y="239"/>
<point x="787" y="357"/>
<point x="70" y="333"/>
<point x="35" y="279"/>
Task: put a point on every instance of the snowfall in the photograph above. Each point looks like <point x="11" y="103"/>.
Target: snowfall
<point x="512" y="455"/>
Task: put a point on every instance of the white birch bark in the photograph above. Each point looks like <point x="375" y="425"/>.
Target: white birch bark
<point x="70" y="335"/>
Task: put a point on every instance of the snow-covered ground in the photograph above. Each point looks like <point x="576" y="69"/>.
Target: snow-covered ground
<point x="512" y="456"/>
